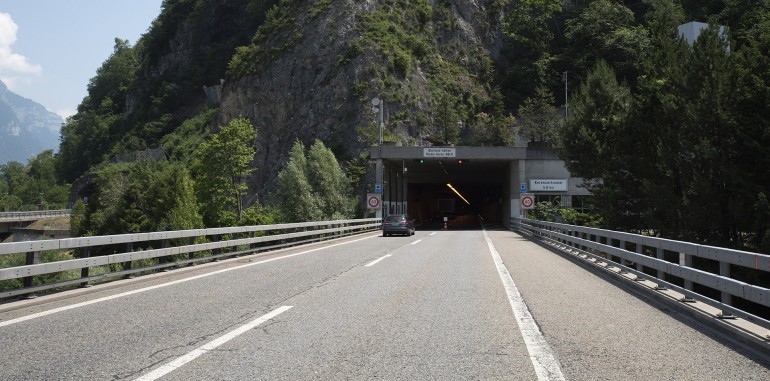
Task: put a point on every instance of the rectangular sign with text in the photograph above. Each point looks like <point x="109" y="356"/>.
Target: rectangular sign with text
<point x="559" y="185"/>
<point x="438" y="152"/>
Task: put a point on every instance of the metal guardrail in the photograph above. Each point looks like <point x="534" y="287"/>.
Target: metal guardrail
<point x="33" y="215"/>
<point x="645" y="258"/>
<point x="162" y="247"/>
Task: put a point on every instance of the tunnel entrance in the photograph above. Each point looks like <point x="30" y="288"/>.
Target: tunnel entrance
<point x="431" y="188"/>
<point x="430" y="183"/>
<point x="434" y="199"/>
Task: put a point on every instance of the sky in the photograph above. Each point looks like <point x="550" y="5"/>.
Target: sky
<point x="50" y="49"/>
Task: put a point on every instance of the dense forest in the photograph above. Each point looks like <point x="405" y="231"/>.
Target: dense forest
<point x="674" y="134"/>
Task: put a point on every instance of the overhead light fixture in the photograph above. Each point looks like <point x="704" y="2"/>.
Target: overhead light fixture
<point x="458" y="193"/>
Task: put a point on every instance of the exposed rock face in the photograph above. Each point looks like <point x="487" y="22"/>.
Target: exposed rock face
<point x="316" y="90"/>
<point x="194" y="46"/>
<point x="26" y="127"/>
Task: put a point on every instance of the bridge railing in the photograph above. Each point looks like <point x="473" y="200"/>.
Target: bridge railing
<point x="668" y="263"/>
<point x="33" y="215"/>
<point x="116" y="256"/>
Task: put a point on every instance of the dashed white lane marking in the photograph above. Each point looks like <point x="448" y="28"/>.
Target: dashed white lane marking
<point x="106" y="298"/>
<point x="434" y="233"/>
<point x="210" y="346"/>
<point x="374" y="262"/>
<point x="416" y="242"/>
<point x="540" y="353"/>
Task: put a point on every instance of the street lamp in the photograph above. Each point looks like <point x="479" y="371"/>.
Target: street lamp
<point x="564" y="79"/>
<point x="379" y="105"/>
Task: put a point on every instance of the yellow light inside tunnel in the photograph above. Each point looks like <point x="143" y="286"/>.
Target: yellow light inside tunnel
<point x="458" y="193"/>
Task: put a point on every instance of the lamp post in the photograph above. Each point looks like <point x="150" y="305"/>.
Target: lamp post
<point x="564" y="79"/>
<point x="379" y="105"/>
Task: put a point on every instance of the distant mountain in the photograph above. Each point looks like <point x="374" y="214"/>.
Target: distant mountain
<point x="26" y="127"/>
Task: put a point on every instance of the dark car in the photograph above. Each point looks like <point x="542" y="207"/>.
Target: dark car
<point x="398" y="224"/>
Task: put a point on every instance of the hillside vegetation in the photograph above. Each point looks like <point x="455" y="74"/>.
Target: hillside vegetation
<point x="677" y="133"/>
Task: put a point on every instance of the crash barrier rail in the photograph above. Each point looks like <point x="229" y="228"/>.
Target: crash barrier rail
<point x="114" y="255"/>
<point x="667" y="263"/>
<point x="33" y="215"/>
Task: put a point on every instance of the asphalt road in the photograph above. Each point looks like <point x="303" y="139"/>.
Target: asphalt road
<point x="434" y="306"/>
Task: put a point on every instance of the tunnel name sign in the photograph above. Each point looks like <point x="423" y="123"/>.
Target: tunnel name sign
<point x="438" y="152"/>
<point x="548" y="185"/>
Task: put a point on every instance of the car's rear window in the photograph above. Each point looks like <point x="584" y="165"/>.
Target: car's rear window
<point x="395" y="218"/>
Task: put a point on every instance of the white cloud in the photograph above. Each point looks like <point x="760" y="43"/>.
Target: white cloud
<point x="10" y="61"/>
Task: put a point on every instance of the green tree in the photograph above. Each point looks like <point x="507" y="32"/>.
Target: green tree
<point x="750" y="43"/>
<point x="140" y="197"/>
<point x="296" y="199"/>
<point x="493" y="130"/>
<point x="85" y="140"/>
<point x="78" y="219"/>
<point x="761" y="225"/>
<point x="539" y="118"/>
<point x="710" y="142"/>
<point x="329" y="182"/>
<point x="313" y="187"/>
<point x="591" y="135"/>
<point x="171" y="200"/>
<point x="598" y="142"/>
<point x="88" y="136"/>
<point x="535" y="28"/>
<point x="43" y="182"/>
<point x="605" y="30"/>
<point x="529" y="22"/>
<point x="28" y="186"/>
<point x="222" y="165"/>
<point x="446" y="119"/>
<point x="107" y="90"/>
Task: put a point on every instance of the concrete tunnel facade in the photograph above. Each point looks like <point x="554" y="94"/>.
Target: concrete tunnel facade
<point x="432" y="182"/>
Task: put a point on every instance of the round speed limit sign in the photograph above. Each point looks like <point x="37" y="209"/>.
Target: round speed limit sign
<point x="527" y="201"/>
<point x="373" y="201"/>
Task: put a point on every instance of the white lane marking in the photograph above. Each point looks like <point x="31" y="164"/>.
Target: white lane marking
<point x="107" y="298"/>
<point x="374" y="262"/>
<point x="540" y="353"/>
<point x="210" y="346"/>
<point x="416" y="242"/>
<point x="434" y="233"/>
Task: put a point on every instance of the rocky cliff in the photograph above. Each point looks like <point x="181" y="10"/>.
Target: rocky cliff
<point x="299" y="70"/>
<point x="326" y="60"/>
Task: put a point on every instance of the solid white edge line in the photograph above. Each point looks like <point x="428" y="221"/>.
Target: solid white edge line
<point x="374" y="262"/>
<point x="137" y="291"/>
<point x="540" y="353"/>
<point x="210" y="346"/>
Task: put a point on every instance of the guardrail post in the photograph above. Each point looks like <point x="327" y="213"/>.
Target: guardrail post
<point x="639" y="266"/>
<point x="621" y="260"/>
<point x="686" y="260"/>
<point x="214" y="252"/>
<point x="163" y="259"/>
<point x="127" y="265"/>
<point x="191" y="255"/>
<point x="659" y="254"/>
<point x="33" y="258"/>
<point x="726" y="298"/>
<point x="84" y="271"/>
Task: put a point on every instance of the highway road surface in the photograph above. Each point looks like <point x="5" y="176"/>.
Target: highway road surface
<point x="459" y="304"/>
